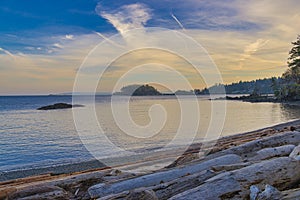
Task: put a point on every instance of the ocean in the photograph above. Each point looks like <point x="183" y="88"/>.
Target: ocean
<point x="36" y="138"/>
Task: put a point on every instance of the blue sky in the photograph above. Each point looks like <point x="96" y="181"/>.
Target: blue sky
<point x="42" y="43"/>
<point x="32" y="19"/>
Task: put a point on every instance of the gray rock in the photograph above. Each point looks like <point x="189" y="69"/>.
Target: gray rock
<point x="59" y="106"/>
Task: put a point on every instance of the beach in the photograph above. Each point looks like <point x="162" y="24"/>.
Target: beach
<point x="72" y="181"/>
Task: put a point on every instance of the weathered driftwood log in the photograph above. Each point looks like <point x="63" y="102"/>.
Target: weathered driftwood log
<point x="279" y="172"/>
<point x="291" y="194"/>
<point x="254" y="192"/>
<point x="41" y="192"/>
<point x="168" y="189"/>
<point x="157" y="178"/>
<point x="296" y="153"/>
<point x="250" y="148"/>
<point x="219" y="168"/>
<point x="268" y="153"/>
<point x="270" y="192"/>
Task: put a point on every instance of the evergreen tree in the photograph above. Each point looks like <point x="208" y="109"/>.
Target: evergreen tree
<point x="293" y="74"/>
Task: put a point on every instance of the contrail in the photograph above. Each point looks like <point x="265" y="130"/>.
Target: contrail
<point x="7" y="52"/>
<point x="110" y="41"/>
<point x="179" y="23"/>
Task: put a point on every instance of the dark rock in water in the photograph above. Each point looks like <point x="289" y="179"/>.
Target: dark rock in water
<point x="59" y="106"/>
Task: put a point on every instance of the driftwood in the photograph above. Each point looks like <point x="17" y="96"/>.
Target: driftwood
<point x="279" y="172"/>
<point x="249" y="149"/>
<point x="167" y="190"/>
<point x="291" y="194"/>
<point x="157" y="178"/>
<point x="268" y="153"/>
<point x="42" y="192"/>
<point x="296" y="153"/>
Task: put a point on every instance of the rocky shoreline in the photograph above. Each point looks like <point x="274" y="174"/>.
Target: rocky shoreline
<point x="262" y="164"/>
<point x="259" y="99"/>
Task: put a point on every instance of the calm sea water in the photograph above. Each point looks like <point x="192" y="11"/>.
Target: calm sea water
<point x="32" y="137"/>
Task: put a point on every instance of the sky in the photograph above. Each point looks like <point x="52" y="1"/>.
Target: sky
<point x="44" y="43"/>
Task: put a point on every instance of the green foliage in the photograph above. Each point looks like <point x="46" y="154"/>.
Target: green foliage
<point x="259" y="86"/>
<point x="293" y="74"/>
<point x="294" y="58"/>
<point x="290" y="89"/>
<point x="288" y="92"/>
<point x="146" y="90"/>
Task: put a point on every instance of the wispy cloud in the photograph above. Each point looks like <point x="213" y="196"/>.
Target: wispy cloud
<point x="57" y="45"/>
<point x="251" y="49"/>
<point x="108" y="40"/>
<point x="6" y="52"/>
<point x="126" y="17"/>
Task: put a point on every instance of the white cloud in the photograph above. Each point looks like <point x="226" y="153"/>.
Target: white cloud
<point x="126" y="17"/>
<point x="57" y="45"/>
<point x="69" y="37"/>
<point x="253" y="47"/>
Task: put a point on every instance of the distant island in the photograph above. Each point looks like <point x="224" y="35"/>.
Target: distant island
<point x="59" y="106"/>
<point x="139" y="90"/>
<point x="261" y="86"/>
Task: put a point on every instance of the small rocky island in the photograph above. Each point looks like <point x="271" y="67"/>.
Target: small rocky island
<point x="139" y="90"/>
<point x="59" y="106"/>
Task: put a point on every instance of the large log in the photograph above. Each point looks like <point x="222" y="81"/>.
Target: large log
<point x="279" y="172"/>
<point x="296" y="153"/>
<point x="157" y="178"/>
<point x="249" y="149"/>
<point x="268" y="153"/>
<point x="169" y="189"/>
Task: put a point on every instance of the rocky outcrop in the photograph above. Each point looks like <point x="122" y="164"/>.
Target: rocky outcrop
<point x="59" y="106"/>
